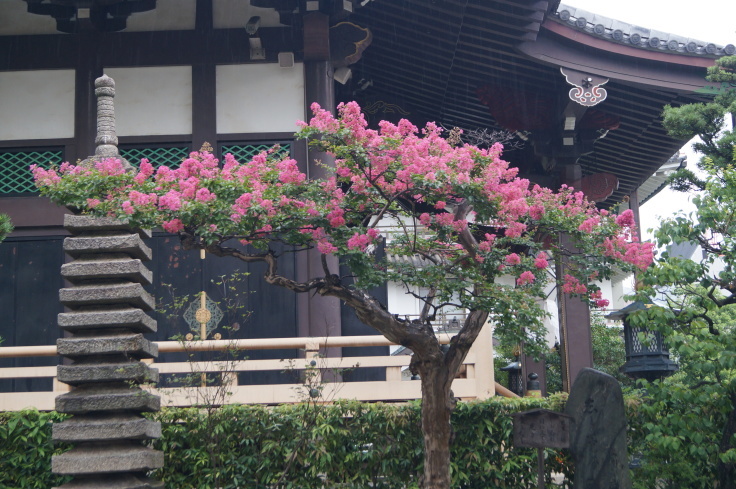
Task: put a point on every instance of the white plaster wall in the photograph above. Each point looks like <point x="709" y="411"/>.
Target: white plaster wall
<point x="153" y="100"/>
<point x="36" y="104"/>
<point x="262" y="97"/>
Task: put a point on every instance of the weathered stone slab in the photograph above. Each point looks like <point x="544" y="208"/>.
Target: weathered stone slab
<point x="131" y="269"/>
<point x="116" y="427"/>
<point x="107" y="458"/>
<point x="598" y="440"/>
<point x="129" y="318"/>
<point x="130" y="244"/>
<point x="107" y="399"/>
<point x="116" y="481"/>
<point x="134" y="345"/>
<point x="79" y="224"/>
<point x="107" y="294"/>
<point x="136" y="372"/>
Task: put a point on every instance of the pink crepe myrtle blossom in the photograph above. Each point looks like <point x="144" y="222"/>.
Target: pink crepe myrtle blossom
<point x="513" y="259"/>
<point x="110" y="166"/>
<point x="572" y="285"/>
<point x="325" y="247"/>
<point x="145" y="170"/>
<point x="128" y="207"/>
<point x="171" y="201"/>
<point x="525" y="278"/>
<point x="173" y="226"/>
<point x="142" y="199"/>
<point x="589" y="224"/>
<point x="44" y="177"/>
<point x="632" y="251"/>
<point x="515" y="229"/>
<point x="204" y="195"/>
<point x="359" y="241"/>
<point x="626" y="219"/>
<point x="597" y="299"/>
<point x="536" y="211"/>
<point x="444" y="219"/>
<point x="459" y="225"/>
<point x="540" y="262"/>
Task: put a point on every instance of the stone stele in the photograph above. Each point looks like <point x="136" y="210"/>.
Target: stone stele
<point x="598" y="439"/>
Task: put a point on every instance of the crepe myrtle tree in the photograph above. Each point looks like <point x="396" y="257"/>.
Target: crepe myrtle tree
<point x="462" y="209"/>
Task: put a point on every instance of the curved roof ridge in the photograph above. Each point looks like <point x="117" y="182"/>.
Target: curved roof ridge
<point x="639" y="37"/>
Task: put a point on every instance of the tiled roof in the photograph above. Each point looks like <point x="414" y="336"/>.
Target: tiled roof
<point x="635" y="36"/>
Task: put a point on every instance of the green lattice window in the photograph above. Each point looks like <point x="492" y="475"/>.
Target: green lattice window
<point x="171" y="156"/>
<point x="15" y="176"/>
<point x="244" y="152"/>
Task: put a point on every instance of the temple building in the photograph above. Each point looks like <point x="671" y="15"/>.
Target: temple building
<point x="575" y="97"/>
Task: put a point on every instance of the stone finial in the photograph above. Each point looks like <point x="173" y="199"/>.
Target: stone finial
<point x="106" y="140"/>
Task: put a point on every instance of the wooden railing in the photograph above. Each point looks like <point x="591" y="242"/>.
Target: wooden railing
<point x="477" y="380"/>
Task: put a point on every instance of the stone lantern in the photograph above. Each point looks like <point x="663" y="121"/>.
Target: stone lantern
<point x="647" y="356"/>
<point x="516" y="380"/>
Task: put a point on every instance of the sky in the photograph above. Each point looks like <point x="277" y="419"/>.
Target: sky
<point x="707" y="20"/>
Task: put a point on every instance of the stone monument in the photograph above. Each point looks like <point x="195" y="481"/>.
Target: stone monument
<point x="598" y="438"/>
<point x="106" y="323"/>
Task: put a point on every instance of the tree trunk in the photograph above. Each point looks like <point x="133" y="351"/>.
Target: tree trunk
<point x="436" y="409"/>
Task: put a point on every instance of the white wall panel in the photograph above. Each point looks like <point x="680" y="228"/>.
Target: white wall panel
<point x="255" y="98"/>
<point x="36" y="104"/>
<point x="153" y="100"/>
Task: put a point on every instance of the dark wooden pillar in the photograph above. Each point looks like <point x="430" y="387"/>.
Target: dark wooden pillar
<point x="204" y="96"/>
<point x="318" y="316"/>
<point x="88" y="68"/>
<point x="576" y="346"/>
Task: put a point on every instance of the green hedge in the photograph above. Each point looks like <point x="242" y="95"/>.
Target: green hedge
<point x="26" y="449"/>
<point x="346" y="445"/>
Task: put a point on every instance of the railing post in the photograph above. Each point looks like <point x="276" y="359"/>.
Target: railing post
<point x="60" y="386"/>
<point x="393" y="374"/>
<point x="312" y="347"/>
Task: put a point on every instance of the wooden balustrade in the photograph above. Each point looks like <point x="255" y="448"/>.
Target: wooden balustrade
<point x="477" y="381"/>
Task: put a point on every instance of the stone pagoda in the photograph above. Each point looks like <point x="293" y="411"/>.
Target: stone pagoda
<point x="104" y="345"/>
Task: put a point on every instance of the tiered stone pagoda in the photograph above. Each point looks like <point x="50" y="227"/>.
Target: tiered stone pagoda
<point x="104" y="344"/>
